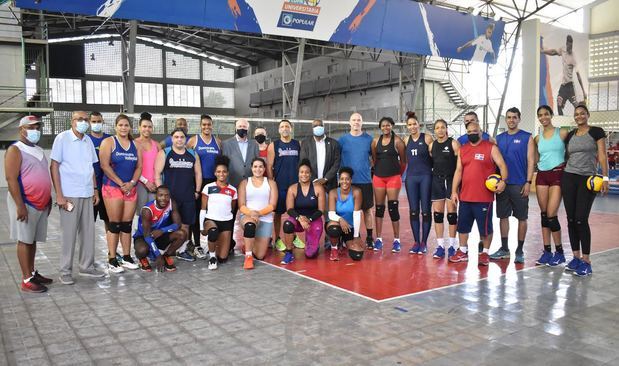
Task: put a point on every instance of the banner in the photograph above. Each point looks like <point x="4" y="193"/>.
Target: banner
<point x="399" y="25"/>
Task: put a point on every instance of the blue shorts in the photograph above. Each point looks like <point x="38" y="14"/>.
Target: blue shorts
<point x="264" y="229"/>
<point x="481" y="212"/>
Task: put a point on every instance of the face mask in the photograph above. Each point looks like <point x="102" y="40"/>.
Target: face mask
<point x="82" y="126"/>
<point x="96" y="127"/>
<point x="242" y="132"/>
<point x="318" y="131"/>
<point x="473" y="137"/>
<point x="261" y="139"/>
<point x="33" y="136"/>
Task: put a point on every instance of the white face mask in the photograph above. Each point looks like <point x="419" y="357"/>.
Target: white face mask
<point x="33" y="136"/>
<point x="82" y="126"/>
<point x="96" y="127"/>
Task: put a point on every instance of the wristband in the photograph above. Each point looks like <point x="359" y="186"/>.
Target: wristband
<point x="154" y="251"/>
<point x="529" y="182"/>
<point x="143" y="179"/>
<point x="132" y="182"/>
<point x="605" y="179"/>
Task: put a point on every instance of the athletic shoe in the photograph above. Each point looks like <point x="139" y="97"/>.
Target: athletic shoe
<point x="500" y="254"/>
<point x="459" y="257"/>
<point x="169" y="264"/>
<point x="198" y="252"/>
<point x="369" y="242"/>
<point x="114" y="267"/>
<point x="32" y="286"/>
<point x="519" y="258"/>
<point x="212" y="263"/>
<point x="42" y="280"/>
<point x="145" y="266"/>
<point x="573" y="264"/>
<point x="91" y="272"/>
<point x="544" y="259"/>
<point x="396" y="247"/>
<point x="483" y="259"/>
<point x="439" y="253"/>
<point x="298" y="243"/>
<point x="378" y="245"/>
<point x="451" y="251"/>
<point x="557" y="259"/>
<point x="66" y="279"/>
<point x="584" y="269"/>
<point x="334" y="255"/>
<point x="119" y="257"/>
<point x="128" y="263"/>
<point x="279" y="245"/>
<point x="415" y="249"/>
<point x="288" y="258"/>
<point x="249" y="262"/>
<point x="185" y="256"/>
<point x="423" y="248"/>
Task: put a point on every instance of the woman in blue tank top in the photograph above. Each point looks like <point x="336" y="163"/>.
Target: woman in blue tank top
<point x="121" y="163"/>
<point x="550" y="160"/>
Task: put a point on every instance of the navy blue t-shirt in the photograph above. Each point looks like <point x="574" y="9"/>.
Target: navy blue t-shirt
<point x="97" y="166"/>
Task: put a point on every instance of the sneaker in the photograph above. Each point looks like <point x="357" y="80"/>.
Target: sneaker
<point x="288" y="258"/>
<point x="573" y="265"/>
<point x="66" y="279"/>
<point x="519" y="258"/>
<point x="369" y="242"/>
<point x="212" y="263"/>
<point x="119" y="257"/>
<point x="415" y="248"/>
<point x="451" y="251"/>
<point x="169" y="264"/>
<point x="32" y="286"/>
<point x="114" y="267"/>
<point x="459" y="257"/>
<point x="484" y="259"/>
<point x="584" y="269"/>
<point x="279" y="245"/>
<point x="378" y="245"/>
<point x="423" y="248"/>
<point x="500" y="254"/>
<point x="396" y="247"/>
<point x="42" y="280"/>
<point x="557" y="259"/>
<point x="145" y="266"/>
<point x="249" y="262"/>
<point x="185" y="256"/>
<point x="128" y="263"/>
<point x="198" y="252"/>
<point x="298" y="243"/>
<point x="439" y="253"/>
<point x="544" y="259"/>
<point x="91" y="272"/>
<point x="334" y="255"/>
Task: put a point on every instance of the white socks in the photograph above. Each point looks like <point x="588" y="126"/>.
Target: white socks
<point x="440" y="242"/>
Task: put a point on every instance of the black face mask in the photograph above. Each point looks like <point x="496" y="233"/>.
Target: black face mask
<point x="261" y="139"/>
<point x="473" y="137"/>
<point x="241" y="132"/>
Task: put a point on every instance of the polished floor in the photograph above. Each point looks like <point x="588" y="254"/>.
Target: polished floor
<point x="318" y="312"/>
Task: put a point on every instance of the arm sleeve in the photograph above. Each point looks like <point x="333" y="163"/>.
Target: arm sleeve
<point x="202" y="218"/>
<point x="293" y="213"/>
<point x="267" y="210"/>
<point x="315" y="215"/>
<point x="153" y="252"/>
<point x="356" y="218"/>
<point x="333" y="216"/>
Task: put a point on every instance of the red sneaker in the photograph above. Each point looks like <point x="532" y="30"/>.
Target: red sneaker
<point x="484" y="259"/>
<point x="335" y="254"/>
<point x="169" y="264"/>
<point x="459" y="257"/>
<point x="41" y="279"/>
<point x="32" y="286"/>
<point x="249" y="262"/>
<point x="145" y="266"/>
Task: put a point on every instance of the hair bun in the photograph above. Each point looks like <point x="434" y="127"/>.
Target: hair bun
<point x="145" y="115"/>
<point x="410" y="114"/>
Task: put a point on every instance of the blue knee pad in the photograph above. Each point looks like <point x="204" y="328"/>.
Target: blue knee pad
<point x="394" y="213"/>
<point x="380" y="211"/>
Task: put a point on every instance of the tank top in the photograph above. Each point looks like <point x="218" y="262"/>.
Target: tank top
<point x="477" y="165"/>
<point x="285" y="165"/>
<point x="96" y="141"/>
<point x="160" y="217"/>
<point x="345" y="208"/>
<point x="148" y="161"/>
<point x="551" y="151"/>
<point x="123" y="162"/>
<point x="444" y="159"/>
<point x="263" y="153"/>
<point x="387" y="159"/>
<point x="418" y="157"/>
<point x="514" y="149"/>
<point x="207" y="153"/>
<point x="306" y="205"/>
<point x="178" y="174"/>
<point x="257" y="198"/>
<point x="35" y="184"/>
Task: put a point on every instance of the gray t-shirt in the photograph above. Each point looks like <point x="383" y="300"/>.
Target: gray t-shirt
<point x="582" y="152"/>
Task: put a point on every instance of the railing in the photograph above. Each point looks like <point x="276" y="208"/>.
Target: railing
<point x="21" y="99"/>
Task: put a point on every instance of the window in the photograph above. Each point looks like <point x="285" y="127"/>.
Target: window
<point x="183" y="95"/>
<point x="148" y="94"/>
<point x="104" y="92"/>
<point x="182" y="67"/>
<point x="66" y="90"/>
<point x="103" y="58"/>
<point x="216" y="72"/>
<point x="219" y="97"/>
<point x="333" y="69"/>
<point x="148" y="62"/>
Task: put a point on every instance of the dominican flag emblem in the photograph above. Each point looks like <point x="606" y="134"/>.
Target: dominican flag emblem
<point x="479" y="156"/>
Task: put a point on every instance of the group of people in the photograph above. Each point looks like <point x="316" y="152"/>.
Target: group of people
<point x="187" y="191"/>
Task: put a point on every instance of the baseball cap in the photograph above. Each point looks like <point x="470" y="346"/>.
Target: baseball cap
<point x="29" y="120"/>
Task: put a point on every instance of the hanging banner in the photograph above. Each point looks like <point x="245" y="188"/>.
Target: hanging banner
<point x="398" y="25"/>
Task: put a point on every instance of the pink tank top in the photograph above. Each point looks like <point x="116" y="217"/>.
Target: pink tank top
<point x="148" y="162"/>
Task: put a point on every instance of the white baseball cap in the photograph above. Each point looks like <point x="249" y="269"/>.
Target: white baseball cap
<point x="29" y="120"/>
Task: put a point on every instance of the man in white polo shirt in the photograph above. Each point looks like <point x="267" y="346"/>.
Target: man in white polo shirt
<point x="73" y="154"/>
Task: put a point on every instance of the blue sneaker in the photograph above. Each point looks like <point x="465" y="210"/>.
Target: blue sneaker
<point x="557" y="259"/>
<point x="451" y="252"/>
<point x="415" y="248"/>
<point x="185" y="256"/>
<point x="378" y="245"/>
<point x="544" y="259"/>
<point x="439" y="253"/>
<point x="288" y="258"/>
<point x="519" y="258"/>
<point x="396" y="247"/>
<point x="500" y="254"/>
<point x="423" y="248"/>
<point x="584" y="269"/>
<point x="573" y="265"/>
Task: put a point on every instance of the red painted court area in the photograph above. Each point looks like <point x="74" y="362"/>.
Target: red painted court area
<point x="382" y="276"/>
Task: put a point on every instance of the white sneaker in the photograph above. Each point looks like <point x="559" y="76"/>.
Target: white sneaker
<point x="114" y="267"/>
<point x="198" y="252"/>
<point x="129" y="265"/>
<point x="212" y="264"/>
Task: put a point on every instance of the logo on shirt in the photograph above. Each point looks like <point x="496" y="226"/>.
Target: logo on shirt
<point x="180" y="164"/>
<point x="484" y="209"/>
<point x="516" y="141"/>
<point x="299" y="14"/>
<point x="287" y="152"/>
<point x="480" y="157"/>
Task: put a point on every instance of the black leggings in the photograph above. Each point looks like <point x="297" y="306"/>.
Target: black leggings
<point x="578" y="201"/>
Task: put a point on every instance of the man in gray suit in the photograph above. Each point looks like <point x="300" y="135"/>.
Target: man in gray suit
<point x="324" y="155"/>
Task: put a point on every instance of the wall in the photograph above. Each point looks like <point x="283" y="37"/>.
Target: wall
<point x="604" y="17"/>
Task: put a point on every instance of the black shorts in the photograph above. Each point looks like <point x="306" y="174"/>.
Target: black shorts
<point x="441" y="187"/>
<point x="566" y="92"/>
<point x="162" y="242"/>
<point x="223" y="225"/>
<point x="100" y="209"/>
<point x="281" y="201"/>
<point x="187" y="210"/>
<point x="367" y="195"/>
<point x="511" y="203"/>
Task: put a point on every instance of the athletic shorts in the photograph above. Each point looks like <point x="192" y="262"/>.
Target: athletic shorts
<point x="281" y="201"/>
<point x="480" y="212"/>
<point x="111" y="192"/>
<point x="367" y="195"/>
<point x="550" y="177"/>
<point x="187" y="210"/>
<point x="566" y="92"/>
<point x="99" y="209"/>
<point x="223" y="225"/>
<point x="35" y="229"/>
<point x="162" y="242"/>
<point x="395" y="181"/>
<point x="441" y="187"/>
<point x="511" y="203"/>
<point x="264" y="228"/>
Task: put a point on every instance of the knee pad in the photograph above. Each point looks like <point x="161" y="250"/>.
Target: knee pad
<point x="553" y="224"/>
<point x="544" y="217"/>
<point x="288" y="227"/>
<point x="114" y="227"/>
<point x="439" y="217"/>
<point x="125" y="227"/>
<point x="380" y="211"/>
<point x="452" y="218"/>
<point x="425" y="217"/>
<point x="355" y="255"/>
<point x="394" y="213"/>
<point x="334" y="231"/>
<point x="414" y="215"/>
<point x="213" y="234"/>
<point x="249" y="230"/>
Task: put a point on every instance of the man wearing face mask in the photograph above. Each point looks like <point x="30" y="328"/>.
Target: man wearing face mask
<point x="260" y="135"/>
<point x="471" y="117"/>
<point x="29" y="199"/>
<point x="97" y="135"/>
<point x="323" y="152"/>
<point x="75" y="182"/>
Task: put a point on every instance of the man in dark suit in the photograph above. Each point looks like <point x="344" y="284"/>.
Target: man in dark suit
<point x="241" y="150"/>
<point x="324" y="155"/>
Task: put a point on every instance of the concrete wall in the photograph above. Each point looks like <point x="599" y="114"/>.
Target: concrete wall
<point x="604" y="17"/>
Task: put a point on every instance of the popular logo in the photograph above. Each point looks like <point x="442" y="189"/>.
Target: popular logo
<point x="299" y="14"/>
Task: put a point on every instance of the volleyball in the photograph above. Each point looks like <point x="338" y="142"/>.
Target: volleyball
<point x="594" y="183"/>
<point x="492" y="182"/>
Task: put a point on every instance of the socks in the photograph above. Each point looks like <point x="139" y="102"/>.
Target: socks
<point x="520" y="246"/>
<point x="248" y="253"/>
<point x="440" y="242"/>
<point x="505" y="244"/>
<point x="27" y="279"/>
<point x="548" y="248"/>
<point x="559" y="248"/>
<point x="397" y="239"/>
<point x="212" y="254"/>
<point x="379" y="238"/>
<point x="183" y="247"/>
<point x="453" y="242"/>
<point x="464" y="249"/>
<point x="485" y="250"/>
<point x="369" y="232"/>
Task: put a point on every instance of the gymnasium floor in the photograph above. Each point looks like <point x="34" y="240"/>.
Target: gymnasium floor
<point x="389" y="309"/>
